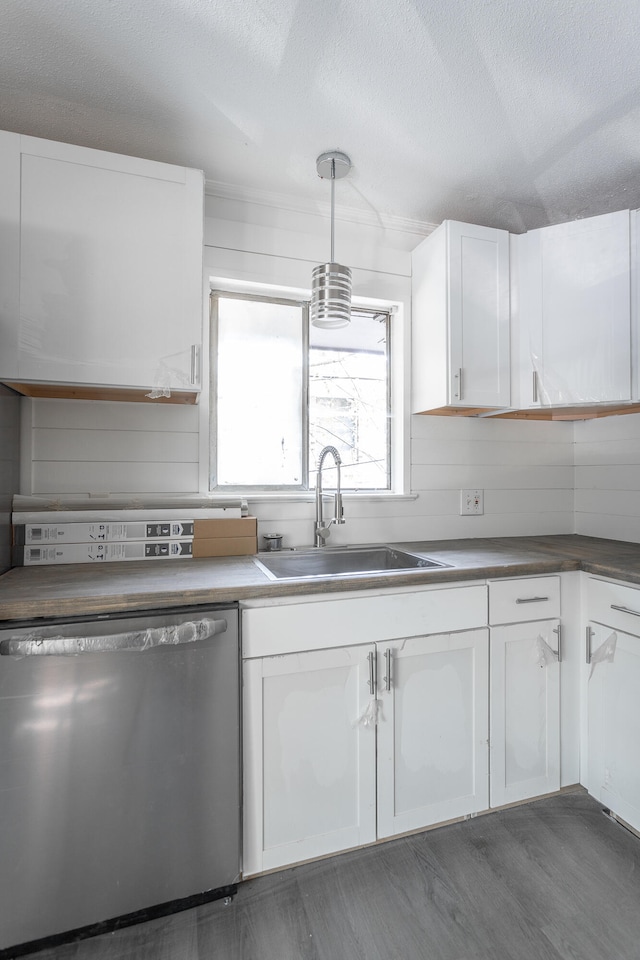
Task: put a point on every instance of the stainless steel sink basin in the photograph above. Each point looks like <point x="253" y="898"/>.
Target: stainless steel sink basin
<point x="345" y="562"/>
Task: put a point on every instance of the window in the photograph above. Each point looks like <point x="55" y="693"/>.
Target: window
<point x="282" y="390"/>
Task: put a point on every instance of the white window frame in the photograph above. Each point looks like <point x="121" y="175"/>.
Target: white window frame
<point x="307" y="467"/>
<point x="398" y="302"/>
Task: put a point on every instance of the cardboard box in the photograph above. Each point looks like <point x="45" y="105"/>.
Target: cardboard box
<point x="212" y="529"/>
<point x="225" y="547"/>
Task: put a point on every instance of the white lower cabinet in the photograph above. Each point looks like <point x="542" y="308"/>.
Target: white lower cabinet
<point x="351" y="743"/>
<point x="432" y="731"/>
<point x="613" y="701"/>
<point x="525" y="711"/>
<point x="309" y="765"/>
<point x="370" y="716"/>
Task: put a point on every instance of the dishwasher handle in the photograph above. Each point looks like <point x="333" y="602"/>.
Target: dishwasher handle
<point x="30" y="645"/>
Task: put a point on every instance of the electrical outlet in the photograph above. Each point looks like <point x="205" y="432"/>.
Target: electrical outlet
<point x="471" y="503"/>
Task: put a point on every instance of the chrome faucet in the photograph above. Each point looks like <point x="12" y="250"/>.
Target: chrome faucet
<point x="322" y="527"/>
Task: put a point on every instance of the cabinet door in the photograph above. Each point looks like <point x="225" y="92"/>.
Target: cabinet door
<point x="433" y="732"/>
<point x="309" y="780"/>
<point x="525" y="711"/>
<point x="9" y="249"/>
<point x="460" y="319"/>
<point x="479" y="316"/>
<point x="110" y="269"/>
<point x="614" y="722"/>
<point x="575" y="307"/>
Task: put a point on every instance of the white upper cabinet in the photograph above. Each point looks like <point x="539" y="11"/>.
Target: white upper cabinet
<point x="9" y="250"/>
<point x="572" y="325"/>
<point x="460" y="319"/>
<point x="110" y="277"/>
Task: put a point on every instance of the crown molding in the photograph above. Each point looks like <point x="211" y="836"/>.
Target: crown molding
<point x="281" y="201"/>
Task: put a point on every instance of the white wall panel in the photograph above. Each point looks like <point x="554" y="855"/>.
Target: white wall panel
<point x="51" y="477"/>
<point x="498" y="477"/>
<point x="107" y="415"/>
<point x="81" y="446"/>
<point x="485" y="451"/>
<point x="607" y="477"/>
<point x="121" y="445"/>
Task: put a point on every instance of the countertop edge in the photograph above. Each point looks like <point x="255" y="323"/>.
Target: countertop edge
<point x="46" y="593"/>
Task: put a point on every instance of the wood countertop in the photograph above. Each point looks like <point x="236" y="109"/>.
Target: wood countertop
<point x="28" y="593"/>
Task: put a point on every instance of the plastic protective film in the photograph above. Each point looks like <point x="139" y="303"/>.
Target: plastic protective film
<point x="30" y="645"/>
<point x="166" y="374"/>
<point x="605" y="652"/>
<point x="552" y="389"/>
<point x="371" y="714"/>
<point x="546" y="654"/>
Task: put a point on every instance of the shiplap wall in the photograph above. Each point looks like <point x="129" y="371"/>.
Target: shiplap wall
<point x="92" y="446"/>
<point x="525" y="469"/>
<point x="607" y="477"/>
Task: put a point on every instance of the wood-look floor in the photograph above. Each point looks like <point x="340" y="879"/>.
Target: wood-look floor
<point x="551" y="880"/>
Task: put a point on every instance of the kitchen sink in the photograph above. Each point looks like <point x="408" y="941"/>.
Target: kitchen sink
<point x="344" y="562"/>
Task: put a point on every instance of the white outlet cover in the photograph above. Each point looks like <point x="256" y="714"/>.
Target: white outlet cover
<point x="471" y="503"/>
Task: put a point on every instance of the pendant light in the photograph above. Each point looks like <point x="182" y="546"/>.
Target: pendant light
<point x="331" y="282"/>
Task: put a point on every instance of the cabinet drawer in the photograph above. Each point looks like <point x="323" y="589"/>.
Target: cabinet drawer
<point x="271" y="631"/>
<point x="615" y="605"/>
<point x="515" y="601"/>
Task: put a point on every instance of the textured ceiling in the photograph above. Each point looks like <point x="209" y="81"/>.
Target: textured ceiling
<point x="511" y="113"/>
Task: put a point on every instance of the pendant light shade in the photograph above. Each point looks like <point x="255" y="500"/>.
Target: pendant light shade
<point x="331" y="282"/>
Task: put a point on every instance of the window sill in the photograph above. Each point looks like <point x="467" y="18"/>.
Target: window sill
<point x="308" y="496"/>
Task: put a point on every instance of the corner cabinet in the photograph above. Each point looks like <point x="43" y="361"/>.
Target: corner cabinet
<point x="105" y="272"/>
<point x="574" y="314"/>
<point x="613" y="700"/>
<point x="460" y="320"/>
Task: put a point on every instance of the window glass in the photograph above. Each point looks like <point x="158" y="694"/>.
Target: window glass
<point x="259" y="393"/>
<point x="349" y="399"/>
<point x="283" y="390"/>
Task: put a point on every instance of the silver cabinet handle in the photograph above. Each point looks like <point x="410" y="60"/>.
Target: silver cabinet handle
<point x="387" y="660"/>
<point x="589" y="634"/>
<point x="535" y="387"/>
<point x="457" y="395"/>
<point x="371" y="657"/>
<point x="634" y="613"/>
<point x="558" y="632"/>
<point x="195" y="363"/>
<point x="531" y="599"/>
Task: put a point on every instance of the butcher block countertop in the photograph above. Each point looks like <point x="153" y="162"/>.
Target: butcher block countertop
<point x="69" y="590"/>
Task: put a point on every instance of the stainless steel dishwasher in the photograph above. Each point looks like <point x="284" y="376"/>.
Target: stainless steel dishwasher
<point x="119" y="769"/>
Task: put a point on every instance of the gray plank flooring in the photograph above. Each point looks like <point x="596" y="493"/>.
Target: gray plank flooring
<point x="551" y="880"/>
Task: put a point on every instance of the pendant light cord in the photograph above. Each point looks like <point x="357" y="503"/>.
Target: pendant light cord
<point x="333" y="201"/>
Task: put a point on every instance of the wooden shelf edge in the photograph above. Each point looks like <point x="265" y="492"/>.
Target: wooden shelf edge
<point x="63" y="391"/>
<point x="578" y="412"/>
